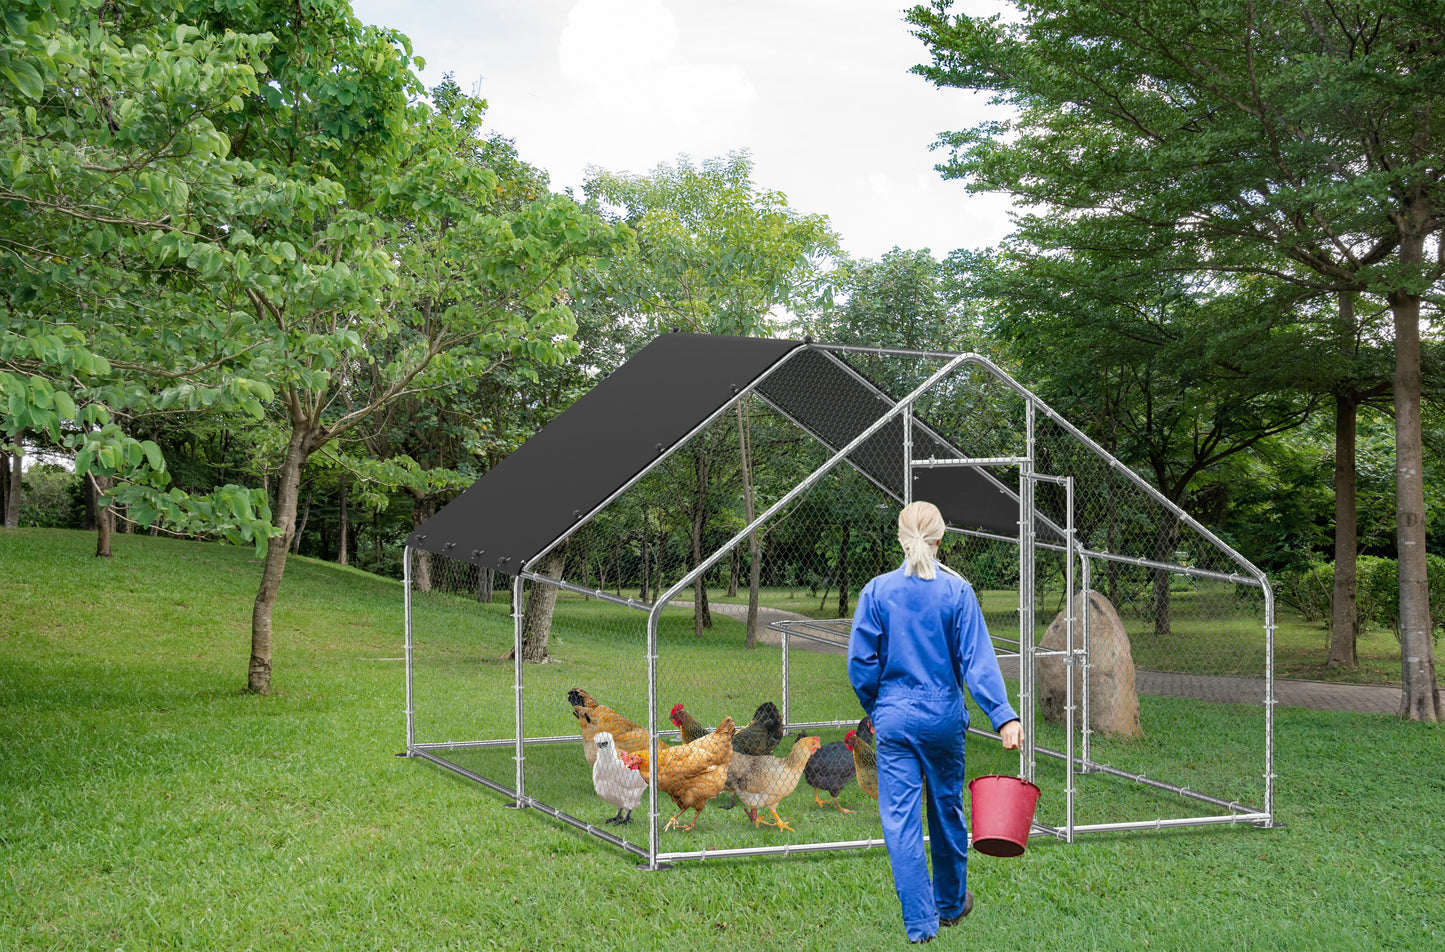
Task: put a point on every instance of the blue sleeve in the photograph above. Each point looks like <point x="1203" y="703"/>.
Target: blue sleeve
<point x="978" y="665"/>
<point x="865" y="666"/>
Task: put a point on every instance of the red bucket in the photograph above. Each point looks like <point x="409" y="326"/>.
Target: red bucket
<point x="1002" y="814"/>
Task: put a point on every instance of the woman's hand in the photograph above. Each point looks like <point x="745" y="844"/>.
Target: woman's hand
<point x="1012" y="735"/>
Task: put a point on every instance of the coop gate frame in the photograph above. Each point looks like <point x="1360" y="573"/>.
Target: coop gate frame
<point x="1076" y="756"/>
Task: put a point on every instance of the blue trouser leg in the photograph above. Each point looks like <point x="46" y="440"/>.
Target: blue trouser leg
<point x="948" y="828"/>
<point x="922" y="737"/>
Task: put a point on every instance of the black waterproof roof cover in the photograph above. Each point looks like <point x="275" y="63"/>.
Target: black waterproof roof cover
<point x="595" y="447"/>
<point x="826" y="397"/>
<point x="618" y="429"/>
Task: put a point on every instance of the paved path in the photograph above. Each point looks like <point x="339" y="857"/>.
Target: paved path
<point x="832" y="637"/>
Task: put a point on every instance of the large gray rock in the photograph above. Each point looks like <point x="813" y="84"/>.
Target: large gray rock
<point x="1113" y="699"/>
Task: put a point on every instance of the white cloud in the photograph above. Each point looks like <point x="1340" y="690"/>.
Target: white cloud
<point x="880" y="184"/>
<point x="818" y="90"/>
<point x="607" y="41"/>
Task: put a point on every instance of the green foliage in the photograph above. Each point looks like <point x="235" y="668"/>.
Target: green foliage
<point x="116" y="176"/>
<point x="714" y="254"/>
<point x="1233" y="160"/>
<point x="905" y="299"/>
<point x="1309" y="589"/>
<point x="248" y="208"/>
<point x="1150" y="130"/>
<point x="1377" y="592"/>
<point x="51" y="498"/>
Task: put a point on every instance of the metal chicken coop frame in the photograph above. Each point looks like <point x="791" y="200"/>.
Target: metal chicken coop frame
<point x="906" y="423"/>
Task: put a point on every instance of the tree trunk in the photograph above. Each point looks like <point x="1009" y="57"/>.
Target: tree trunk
<point x="541" y="602"/>
<point x="4" y="485"/>
<point x="484" y="586"/>
<point x="299" y="447"/>
<point x="424" y="509"/>
<point x="15" y="474"/>
<point x="1165" y="542"/>
<point x="1344" y="617"/>
<point x="342" y="546"/>
<point x="701" y="616"/>
<point x="1420" y="694"/>
<point x="95" y="488"/>
<point x="1112" y="568"/>
<point x="843" y="571"/>
<point x="645" y="565"/>
<point x="755" y="561"/>
<point x="755" y="585"/>
<point x="305" y="516"/>
<point x="91" y="522"/>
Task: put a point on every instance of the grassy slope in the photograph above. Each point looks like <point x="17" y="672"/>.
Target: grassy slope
<point x="146" y="803"/>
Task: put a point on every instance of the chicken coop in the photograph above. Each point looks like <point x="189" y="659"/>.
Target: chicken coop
<point x="680" y="552"/>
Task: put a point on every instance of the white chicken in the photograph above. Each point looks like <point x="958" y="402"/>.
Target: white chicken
<point x="617" y="781"/>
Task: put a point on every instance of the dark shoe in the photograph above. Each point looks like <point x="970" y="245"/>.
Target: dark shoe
<point x="920" y="941"/>
<point x="967" y="908"/>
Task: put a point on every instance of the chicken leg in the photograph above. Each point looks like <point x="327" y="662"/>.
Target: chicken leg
<point x="781" y="824"/>
<point x="835" y="803"/>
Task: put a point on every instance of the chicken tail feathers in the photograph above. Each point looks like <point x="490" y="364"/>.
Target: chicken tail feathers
<point x="768" y="717"/>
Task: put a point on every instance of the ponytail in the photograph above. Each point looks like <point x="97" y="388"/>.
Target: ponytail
<point x="920" y="529"/>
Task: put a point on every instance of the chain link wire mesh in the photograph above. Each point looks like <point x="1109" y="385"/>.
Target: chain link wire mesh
<point x="751" y="627"/>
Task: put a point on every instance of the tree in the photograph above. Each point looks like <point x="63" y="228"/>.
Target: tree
<point x="456" y="431"/>
<point x="1366" y="382"/>
<point x="1171" y="377"/>
<point x="385" y="251"/>
<point x="714" y="255"/>
<point x="113" y="167"/>
<point x="1272" y="138"/>
<point x="905" y="299"/>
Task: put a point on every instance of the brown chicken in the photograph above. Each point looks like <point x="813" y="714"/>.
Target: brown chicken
<point x="690" y="726"/>
<point x="865" y="758"/>
<point x="770" y="779"/>
<point x="692" y="774"/>
<point x="758" y="739"/>
<point x="593" y="718"/>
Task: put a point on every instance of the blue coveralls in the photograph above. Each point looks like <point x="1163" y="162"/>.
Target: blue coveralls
<point x="915" y="643"/>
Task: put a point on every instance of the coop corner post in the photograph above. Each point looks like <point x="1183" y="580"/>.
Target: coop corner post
<point x="406" y="609"/>
<point x="520" y="756"/>
<point x="1086" y="585"/>
<point x="654" y="835"/>
<point x="1269" y="701"/>
<point x="1026" y="597"/>
<point x="1077" y="658"/>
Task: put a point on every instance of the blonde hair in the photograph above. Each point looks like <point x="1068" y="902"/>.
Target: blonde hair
<point x="920" y="529"/>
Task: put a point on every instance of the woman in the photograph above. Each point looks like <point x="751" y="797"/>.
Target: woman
<point x="918" y="638"/>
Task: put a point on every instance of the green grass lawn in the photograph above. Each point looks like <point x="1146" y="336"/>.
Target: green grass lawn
<point x="146" y="803"/>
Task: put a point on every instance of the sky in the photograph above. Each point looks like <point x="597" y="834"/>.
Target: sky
<point x="817" y="91"/>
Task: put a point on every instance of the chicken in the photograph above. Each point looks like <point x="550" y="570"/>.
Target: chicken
<point x="758" y="739"/>
<point x="772" y="778"/>
<point x="593" y="718"/>
<point x="616" y="778"/>
<point x="692" y="774"/>
<point x="762" y="733"/>
<point x="865" y="758"/>
<point x="690" y="726"/>
<point x="830" y="769"/>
